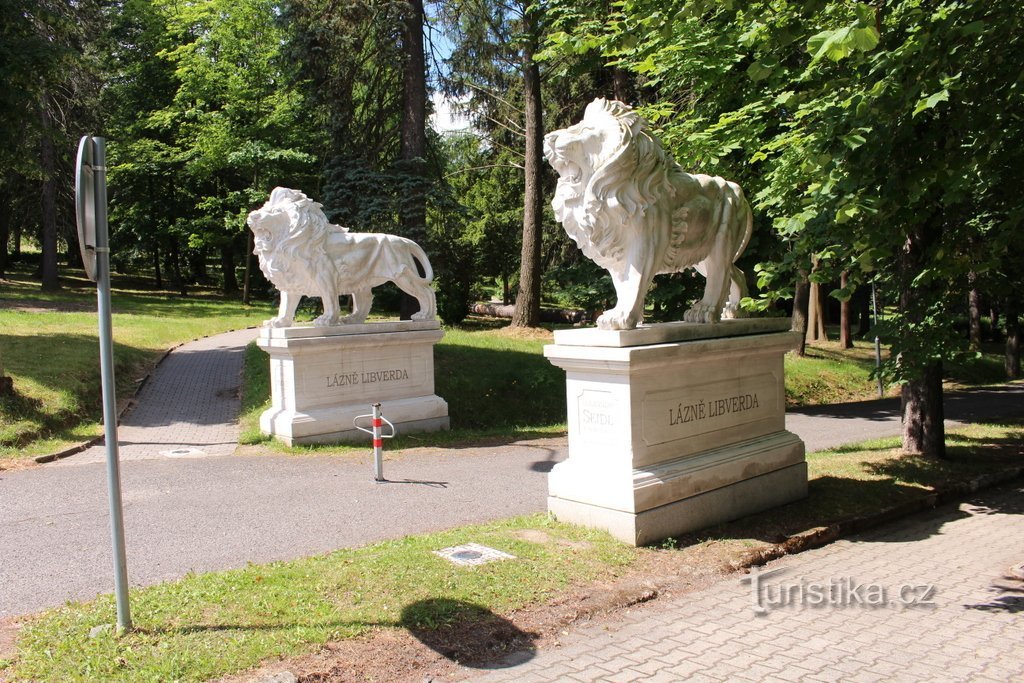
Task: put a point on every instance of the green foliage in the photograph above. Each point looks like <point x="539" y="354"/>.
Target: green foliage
<point x="874" y="139"/>
<point x="205" y="119"/>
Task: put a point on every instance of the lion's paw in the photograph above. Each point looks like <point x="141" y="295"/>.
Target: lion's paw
<point x="733" y="311"/>
<point x="702" y="313"/>
<point x="616" y="320"/>
<point x="325" y="321"/>
<point x="277" y="322"/>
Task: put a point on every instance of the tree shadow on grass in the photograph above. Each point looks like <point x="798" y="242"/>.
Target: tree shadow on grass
<point x="463" y="632"/>
<point x="62" y="364"/>
<point x="498" y="388"/>
<point x="467" y="633"/>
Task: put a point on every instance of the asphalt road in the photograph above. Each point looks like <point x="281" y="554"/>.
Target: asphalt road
<point x="217" y="512"/>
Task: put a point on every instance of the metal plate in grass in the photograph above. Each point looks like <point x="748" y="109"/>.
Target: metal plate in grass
<point x="472" y="554"/>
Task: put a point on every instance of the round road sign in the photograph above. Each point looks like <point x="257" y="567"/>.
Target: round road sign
<point x="85" y="205"/>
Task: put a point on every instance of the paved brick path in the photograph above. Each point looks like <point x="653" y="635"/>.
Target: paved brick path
<point x="188" y="408"/>
<point x="972" y="632"/>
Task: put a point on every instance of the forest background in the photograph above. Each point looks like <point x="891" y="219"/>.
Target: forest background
<point x="880" y="144"/>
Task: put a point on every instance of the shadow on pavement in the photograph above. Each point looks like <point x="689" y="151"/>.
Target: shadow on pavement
<point x="468" y="633"/>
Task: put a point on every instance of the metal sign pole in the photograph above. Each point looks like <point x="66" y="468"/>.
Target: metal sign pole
<point x="92" y="160"/>
<point x="878" y="345"/>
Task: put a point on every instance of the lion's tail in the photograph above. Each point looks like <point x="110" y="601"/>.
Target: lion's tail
<point x="749" y="229"/>
<point x="421" y="256"/>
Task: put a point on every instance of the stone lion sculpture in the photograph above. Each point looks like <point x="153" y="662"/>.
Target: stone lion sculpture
<point x="635" y="212"/>
<point x="304" y="255"/>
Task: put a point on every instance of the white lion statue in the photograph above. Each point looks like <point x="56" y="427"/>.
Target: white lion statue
<point x="304" y="255"/>
<point x="634" y="211"/>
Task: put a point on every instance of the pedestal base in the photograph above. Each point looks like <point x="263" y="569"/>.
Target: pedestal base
<point x="323" y="378"/>
<point x="676" y="435"/>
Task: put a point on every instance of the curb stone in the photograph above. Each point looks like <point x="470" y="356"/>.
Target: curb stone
<point x="637" y="592"/>
<point x="821" y="536"/>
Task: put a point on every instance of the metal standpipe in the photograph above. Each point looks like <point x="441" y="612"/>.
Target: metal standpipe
<point x="377" y="421"/>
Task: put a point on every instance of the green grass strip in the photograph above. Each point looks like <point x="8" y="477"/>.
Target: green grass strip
<point x="209" y="625"/>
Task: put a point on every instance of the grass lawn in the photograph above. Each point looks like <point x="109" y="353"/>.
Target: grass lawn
<point x="496" y="381"/>
<point x="49" y="346"/>
<point x="214" y="624"/>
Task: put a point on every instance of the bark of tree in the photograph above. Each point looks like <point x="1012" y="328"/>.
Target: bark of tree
<point x="413" y="148"/>
<point x="815" y="315"/>
<point x="1012" y="361"/>
<point x="176" y="273"/>
<point x="974" y="312"/>
<point x="157" y="273"/>
<point x="197" y="266"/>
<point x="924" y="430"/>
<point x="528" y="299"/>
<point x="801" y="297"/>
<point x="227" y="267"/>
<point x="863" y="299"/>
<point x="48" y="166"/>
<point x="845" y="325"/>
<point x="622" y="85"/>
<point x="5" y="237"/>
<point x="247" y="281"/>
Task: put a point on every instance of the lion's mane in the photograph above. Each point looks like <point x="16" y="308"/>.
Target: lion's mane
<point x="631" y="189"/>
<point x="302" y="237"/>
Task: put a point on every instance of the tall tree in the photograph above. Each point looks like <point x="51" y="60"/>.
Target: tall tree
<point x="413" y="144"/>
<point x="494" y="57"/>
<point x="237" y="123"/>
<point x="871" y="135"/>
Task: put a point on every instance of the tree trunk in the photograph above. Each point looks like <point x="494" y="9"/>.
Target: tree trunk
<point x="227" y="267"/>
<point x="247" y="280"/>
<point x="506" y="292"/>
<point x="845" y="325"/>
<point x="812" y="312"/>
<point x="197" y="266"/>
<point x="820" y="317"/>
<point x="157" y="273"/>
<point x="176" y="274"/>
<point x="5" y="237"/>
<point x="801" y="298"/>
<point x="48" y="166"/>
<point x="413" y="149"/>
<point x="924" y="430"/>
<point x="974" y="312"/>
<point x="622" y="85"/>
<point x="864" y="311"/>
<point x="1012" y="341"/>
<point x="528" y="299"/>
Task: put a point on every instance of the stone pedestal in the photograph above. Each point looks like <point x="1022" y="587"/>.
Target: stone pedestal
<point x="323" y="377"/>
<point x="675" y="427"/>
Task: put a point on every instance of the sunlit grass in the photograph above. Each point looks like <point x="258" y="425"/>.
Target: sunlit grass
<point x="49" y="346"/>
<point x="205" y="626"/>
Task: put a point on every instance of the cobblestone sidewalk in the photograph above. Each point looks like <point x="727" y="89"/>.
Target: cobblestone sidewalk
<point x="927" y="599"/>
<point x="188" y="408"/>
